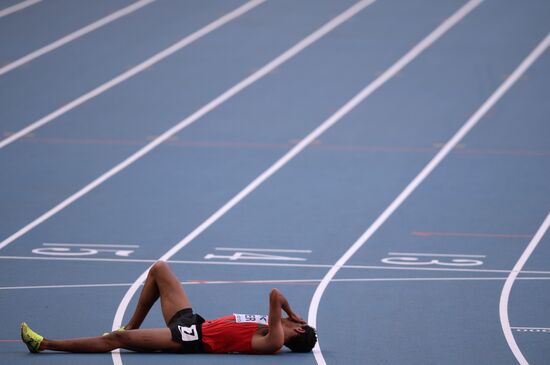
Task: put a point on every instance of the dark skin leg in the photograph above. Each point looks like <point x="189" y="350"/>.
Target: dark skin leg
<point x="161" y="283"/>
<point x="142" y="340"/>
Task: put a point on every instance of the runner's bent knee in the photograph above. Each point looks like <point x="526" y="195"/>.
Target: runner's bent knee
<point x="157" y="266"/>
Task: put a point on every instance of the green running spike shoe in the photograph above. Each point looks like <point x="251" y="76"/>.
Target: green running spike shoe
<point x="30" y="338"/>
<point x="119" y="329"/>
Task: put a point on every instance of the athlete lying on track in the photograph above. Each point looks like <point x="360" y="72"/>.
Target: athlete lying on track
<point x="187" y="332"/>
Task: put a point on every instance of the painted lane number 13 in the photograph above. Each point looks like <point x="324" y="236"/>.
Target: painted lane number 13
<point x="427" y="259"/>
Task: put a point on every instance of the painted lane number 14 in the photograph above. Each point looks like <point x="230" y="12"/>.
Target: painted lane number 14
<point x="257" y="254"/>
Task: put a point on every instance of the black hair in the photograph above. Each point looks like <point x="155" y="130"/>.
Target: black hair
<point x="303" y="342"/>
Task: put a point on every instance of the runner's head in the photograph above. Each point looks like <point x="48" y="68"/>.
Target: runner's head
<point x="300" y="337"/>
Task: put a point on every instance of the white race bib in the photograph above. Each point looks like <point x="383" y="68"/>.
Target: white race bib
<point x="251" y="318"/>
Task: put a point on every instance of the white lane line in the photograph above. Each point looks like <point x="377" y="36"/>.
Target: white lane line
<point x="472" y="121"/>
<point x="310" y="39"/>
<point x="266" y="69"/>
<point x="157" y="141"/>
<point x="281" y="281"/>
<point x="74" y="35"/>
<point x="132" y="72"/>
<point x="66" y="286"/>
<point x="440" y="279"/>
<point x="260" y="249"/>
<point x="20" y="6"/>
<point x="507" y="288"/>
<point x="325" y="266"/>
<point x="433" y="254"/>
<point x="531" y="329"/>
